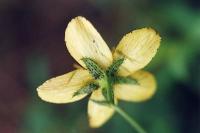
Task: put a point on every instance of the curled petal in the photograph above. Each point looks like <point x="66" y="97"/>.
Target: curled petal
<point x="138" y="48"/>
<point x="98" y="114"/>
<point x="137" y="92"/>
<point x="62" y="88"/>
<point x="83" y="41"/>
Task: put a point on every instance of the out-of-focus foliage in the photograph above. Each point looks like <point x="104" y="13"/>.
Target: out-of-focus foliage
<point x="33" y="50"/>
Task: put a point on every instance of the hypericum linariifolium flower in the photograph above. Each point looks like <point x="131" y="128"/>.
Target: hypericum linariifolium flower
<point x="109" y="76"/>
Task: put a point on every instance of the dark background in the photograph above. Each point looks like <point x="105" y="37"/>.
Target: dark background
<point x="32" y="50"/>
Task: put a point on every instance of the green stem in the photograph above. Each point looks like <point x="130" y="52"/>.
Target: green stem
<point x="130" y="120"/>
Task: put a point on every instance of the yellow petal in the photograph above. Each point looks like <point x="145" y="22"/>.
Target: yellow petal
<point x="136" y="93"/>
<point x="138" y="48"/>
<point x="98" y="114"/>
<point x="61" y="89"/>
<point x="82" y="40"/>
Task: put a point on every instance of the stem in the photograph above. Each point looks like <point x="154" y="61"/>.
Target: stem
<point x="130" y="120"/>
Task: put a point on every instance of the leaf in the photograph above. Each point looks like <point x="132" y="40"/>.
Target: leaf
<point x="95" y="70"/>
<point x="108" y="94"/>
<point x="125" y="80"/>
<point x="115" y="66"/>
<point x="86" y="89"/>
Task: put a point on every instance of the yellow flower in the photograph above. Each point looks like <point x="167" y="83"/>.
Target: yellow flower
<point x="83" y="41"/>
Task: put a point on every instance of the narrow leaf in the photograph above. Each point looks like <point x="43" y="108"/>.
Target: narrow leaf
<point x="95" y="70"/>
<point x="86" y="89"/>
<point x="108" y="94"/>
<point x="125" y="80"/>
<point x="115" y="66"/>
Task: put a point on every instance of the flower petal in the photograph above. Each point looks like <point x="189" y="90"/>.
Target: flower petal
<point x="144" y="90"/>
<point x="98" y="114"/>
<point x="61" y="89"/>
<point x="138" y="48"/>
<point x="82" y="40"/>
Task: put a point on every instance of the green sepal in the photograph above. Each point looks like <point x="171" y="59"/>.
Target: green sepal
<point x="115" y="66"/>
<point x="125" y="80"/>
<point x="86" y="89"/>
<point x="104" y="103"/>
<point x="108" y="94"/>
<point x="95" y="70"/>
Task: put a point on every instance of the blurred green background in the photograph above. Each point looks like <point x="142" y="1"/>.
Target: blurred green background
<point x="32" y="50"/>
